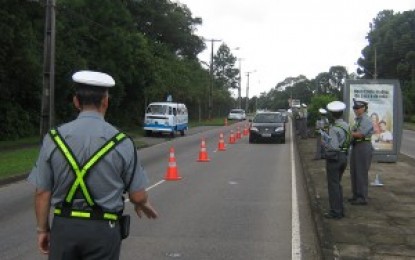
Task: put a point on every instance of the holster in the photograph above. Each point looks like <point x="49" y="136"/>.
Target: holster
<point x="125" y="226"/>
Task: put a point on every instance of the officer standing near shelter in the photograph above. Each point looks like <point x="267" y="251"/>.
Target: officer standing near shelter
<point x="83" y="169"/>
<point x="303" y="121"/>
<point x="361" y="156"/>
<point x="336" y="144"/>
<point x="321" y="124"/>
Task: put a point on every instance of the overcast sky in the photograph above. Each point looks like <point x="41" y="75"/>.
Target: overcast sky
<point x="287" y="38"/>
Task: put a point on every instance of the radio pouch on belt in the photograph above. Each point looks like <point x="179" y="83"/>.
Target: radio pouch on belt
<point x="125" y="226"/>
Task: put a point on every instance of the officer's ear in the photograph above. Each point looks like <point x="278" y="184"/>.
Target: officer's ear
<point x="105" y="101"/>
<point x="76" y="102"/>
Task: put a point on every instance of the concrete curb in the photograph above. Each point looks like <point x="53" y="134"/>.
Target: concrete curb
<point x="323" y="233"/>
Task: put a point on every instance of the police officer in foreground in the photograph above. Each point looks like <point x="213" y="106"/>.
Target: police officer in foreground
<point x="361" y="157"/>
<point x="83" y="169"/>
<point x="336" y="144"/>
<point x="322" y="123"/>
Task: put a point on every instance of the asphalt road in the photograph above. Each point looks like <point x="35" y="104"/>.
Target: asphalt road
<point x="242" y="204"/>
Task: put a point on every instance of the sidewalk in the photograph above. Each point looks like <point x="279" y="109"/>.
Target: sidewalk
<point x="384" y="229"/>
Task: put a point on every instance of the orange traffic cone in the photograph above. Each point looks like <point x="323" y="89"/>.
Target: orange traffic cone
<point x="203" y="155"/>
<point x="238" y="133"/>
<point x="246" y="131"/>
<point x="172" y="173"/>
<point x="232" y="138"/>
<point x="221" y="144"/>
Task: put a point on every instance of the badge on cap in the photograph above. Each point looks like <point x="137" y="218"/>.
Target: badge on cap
<point x="93" y="78"/>
<point x="322" y="111"/>
<point x="336" y="106"/>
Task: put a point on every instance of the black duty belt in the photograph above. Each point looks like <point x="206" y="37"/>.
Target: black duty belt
<point x="86" y="214"/>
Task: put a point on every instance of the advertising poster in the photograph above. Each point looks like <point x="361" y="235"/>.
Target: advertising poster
<point x="381" y="111"/>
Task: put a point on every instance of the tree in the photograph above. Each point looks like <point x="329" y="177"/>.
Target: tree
<point x="168" y="23"/>
<point x="224" y="68"/>
<point x="20" y="67"/>
<point x="390" y="52"/>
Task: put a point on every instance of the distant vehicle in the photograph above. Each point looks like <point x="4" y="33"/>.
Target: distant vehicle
<point x="267" y="126"/>
<point x="237" y="114"/>
<point x="166" y="117"/>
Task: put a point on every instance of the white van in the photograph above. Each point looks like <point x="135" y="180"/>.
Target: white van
<point x="166" y="117"/>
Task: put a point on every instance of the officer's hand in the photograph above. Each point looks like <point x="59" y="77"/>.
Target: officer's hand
<point x="43" y="239"/>
<point x="147" y="209"/>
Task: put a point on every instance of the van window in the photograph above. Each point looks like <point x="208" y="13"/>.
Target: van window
<point x="156" y="109"/>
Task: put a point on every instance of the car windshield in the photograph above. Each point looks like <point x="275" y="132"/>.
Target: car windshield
<point x="268" y="118"/>
<point x="237" y="111"/>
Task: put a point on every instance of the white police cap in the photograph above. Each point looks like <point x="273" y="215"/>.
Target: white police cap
<point x="93" y="78"/>
<point x="322" y="111"/>
<point x="336" y="106"/>
<point x="359" y="102"/>
<point x="304" y="105"/>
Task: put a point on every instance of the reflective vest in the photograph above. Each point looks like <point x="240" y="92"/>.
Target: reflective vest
<point x="346" y="144"/>
<point x="79" y="181"/>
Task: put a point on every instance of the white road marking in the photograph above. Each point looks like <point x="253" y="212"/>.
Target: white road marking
<point x="155" y="185"/>
<point x="295" y="222"/>
<point x="149" y="188"/>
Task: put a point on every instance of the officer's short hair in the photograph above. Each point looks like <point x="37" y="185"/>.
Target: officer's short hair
<point x="89" y="95"/>
<point x="337" y="114"/>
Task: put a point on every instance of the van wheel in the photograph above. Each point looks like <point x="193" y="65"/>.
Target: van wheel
<point x="182" y="132"/>
<point x="172" y="134"/>
<point x="147" y="133"/>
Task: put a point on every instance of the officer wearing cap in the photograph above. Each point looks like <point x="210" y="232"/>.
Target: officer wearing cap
<point x="303" y="121"/>
<point x="336" y="144"/>
<point x="83" y="169"/>
<point x="322" y="123"/>
<point x="361" y="156"/>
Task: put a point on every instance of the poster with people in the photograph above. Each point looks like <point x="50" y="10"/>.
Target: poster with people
<point x="380" y="98"/>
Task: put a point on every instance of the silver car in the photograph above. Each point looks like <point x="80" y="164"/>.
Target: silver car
<point x="237" y="114"/>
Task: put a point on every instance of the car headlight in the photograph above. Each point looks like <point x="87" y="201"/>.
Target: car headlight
<point x="279" y="129"/>
<point x="253" y="128"/>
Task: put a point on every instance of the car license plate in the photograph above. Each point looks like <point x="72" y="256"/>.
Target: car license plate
<point x="266" y="135"/>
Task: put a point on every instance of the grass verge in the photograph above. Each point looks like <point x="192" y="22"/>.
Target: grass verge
<point x="18" y="161"/>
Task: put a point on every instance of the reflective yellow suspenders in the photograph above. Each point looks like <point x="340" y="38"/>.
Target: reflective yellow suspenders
<point x="80" y="173"/>
<point x="346" y="144"/>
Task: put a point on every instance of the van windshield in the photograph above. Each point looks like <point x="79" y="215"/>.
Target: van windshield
<point x="156" y="109"/>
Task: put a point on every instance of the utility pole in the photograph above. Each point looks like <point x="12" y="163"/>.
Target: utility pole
<point x="240" y="83"/>
<point x="210" y="104"/>
<point x="48" y="93"/>
<point x="247" y="91"/>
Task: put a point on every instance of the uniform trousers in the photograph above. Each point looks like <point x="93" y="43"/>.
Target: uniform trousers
<point x="334" y="172"/>
<point x="319" y="149"/>
<point x="84" y="239"/>
<point x="360" y="161"/>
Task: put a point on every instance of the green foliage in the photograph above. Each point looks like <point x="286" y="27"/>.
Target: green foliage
<point x="224" y="68"/>
<point x="317" y="102"/>
<point x="391" y="50"/>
